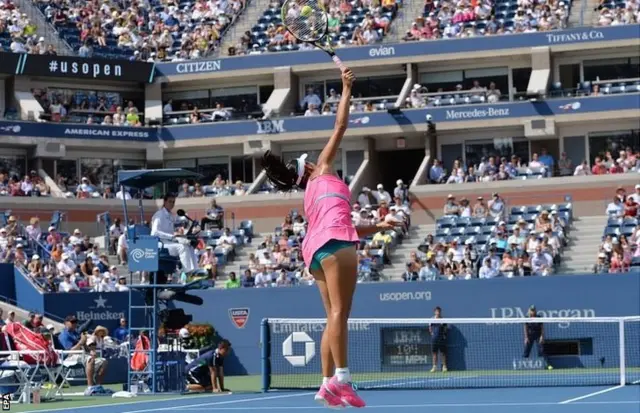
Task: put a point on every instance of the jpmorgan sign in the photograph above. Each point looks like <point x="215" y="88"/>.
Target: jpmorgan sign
<point x="309" y="349"/>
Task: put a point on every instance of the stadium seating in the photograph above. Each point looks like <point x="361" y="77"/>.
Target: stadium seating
<point x="122" y="40"/>
<point x="488" y="18"/>
<point x="269" y="35"/>
<point x="482" y="233"/>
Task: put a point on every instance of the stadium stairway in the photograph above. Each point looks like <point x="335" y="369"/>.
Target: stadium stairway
<point x="244" y="23"/>
<point x="585" y="237"/>
<point x="400" y="255"/>
<point x="577" y="18"/>
<point x="44" y="28"/>
<point x="241" y="259"/>
<point x="407" y="14"/>
<point x="22" y="315"/>
<point x="591" y="16"/>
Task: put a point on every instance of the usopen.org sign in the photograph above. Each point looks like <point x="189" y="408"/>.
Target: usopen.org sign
<point x="143" y="255"/>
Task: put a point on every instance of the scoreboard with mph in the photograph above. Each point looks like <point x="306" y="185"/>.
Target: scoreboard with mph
<point x="406" y="346"/>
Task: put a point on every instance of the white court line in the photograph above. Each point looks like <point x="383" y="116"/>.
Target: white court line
<point x="414" y="406"/>
<point x="253" y="399"/>
<point x="575" y="399"/>
<point x="148" y="400"/>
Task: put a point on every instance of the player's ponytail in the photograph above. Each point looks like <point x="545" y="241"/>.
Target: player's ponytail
<point x="284" y="176"/>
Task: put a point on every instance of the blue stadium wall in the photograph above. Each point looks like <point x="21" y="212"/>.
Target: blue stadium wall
<point x="570" y="296"/>
<point x="560" y="296"/>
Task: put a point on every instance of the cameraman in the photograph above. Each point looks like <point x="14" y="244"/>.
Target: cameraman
<point x="163" y="227"/>
<point x="206" y="373"/>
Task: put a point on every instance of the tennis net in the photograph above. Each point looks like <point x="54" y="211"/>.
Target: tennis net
<point x="480" y="352"/>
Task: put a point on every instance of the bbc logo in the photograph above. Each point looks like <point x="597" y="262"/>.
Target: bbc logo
<point x="6" y="402"/>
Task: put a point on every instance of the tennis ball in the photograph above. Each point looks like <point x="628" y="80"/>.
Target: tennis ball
<point x="306" y="11"/>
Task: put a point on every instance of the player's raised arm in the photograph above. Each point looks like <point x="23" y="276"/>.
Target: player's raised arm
<point x="328" y="154"/>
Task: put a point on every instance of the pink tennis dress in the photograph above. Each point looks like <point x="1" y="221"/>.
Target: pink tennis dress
<point x="327" y="206"/>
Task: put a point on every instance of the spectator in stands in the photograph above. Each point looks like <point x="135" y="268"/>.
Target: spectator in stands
<point x="227" y="240"/>
<point x="216" y="213"/>
<point x="496" y="206"/>
<point x="11" y="317"/>
<point x="208" y="262"/>
<point x="630" y="208"/>
<point x="582" y="169"/>
<point x="381" y="194"/>
<point x="248" y="279"/>
<point x="436" y="172"/>
<point x="12" y="228"/>
<point x="121" y="333"/>
<point x="487" y="271"/>
<point x="232" y="282"/>
<point x="451" y="208"/>
<point x="68" y="284"/>
<point x="616" y="208"/>
<point x="541" y="262"/>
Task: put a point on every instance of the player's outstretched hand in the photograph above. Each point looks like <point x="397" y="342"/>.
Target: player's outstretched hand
<point x="347" y="77"/>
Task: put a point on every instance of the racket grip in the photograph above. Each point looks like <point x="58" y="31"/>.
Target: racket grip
<point x="337" y="60"/>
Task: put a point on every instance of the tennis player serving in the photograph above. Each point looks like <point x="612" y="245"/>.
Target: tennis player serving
<point x="329" y="248"/>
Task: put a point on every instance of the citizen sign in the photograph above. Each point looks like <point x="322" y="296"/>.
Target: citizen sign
<point x="583" y="36"/>
<point x="199" y="67"/>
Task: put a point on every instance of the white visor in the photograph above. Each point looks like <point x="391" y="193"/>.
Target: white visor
<point x="301" y="161"/>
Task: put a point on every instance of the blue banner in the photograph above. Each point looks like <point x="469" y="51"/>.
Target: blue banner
<point x="77" y="131"/>
<point x="143" y="255"/>
<point x="74" y="67"/>
<point x="105" y="309"/>
<point x="575" y="296"/>
<point x="7" y="286"/>
<point x="9" y="62"/>
<point x="407" y="118"/>
<point x="295" y="125"/>
<point x="380" y="52"/>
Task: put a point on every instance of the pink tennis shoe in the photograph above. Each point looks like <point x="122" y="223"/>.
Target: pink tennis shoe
<point x="345" y="392"/>
<point x="328" y="399"/>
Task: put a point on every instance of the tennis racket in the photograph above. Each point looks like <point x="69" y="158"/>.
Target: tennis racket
<point x="307" y="21"/>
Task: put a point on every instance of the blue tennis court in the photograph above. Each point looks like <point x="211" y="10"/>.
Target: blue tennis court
<point x="523" y="400"/>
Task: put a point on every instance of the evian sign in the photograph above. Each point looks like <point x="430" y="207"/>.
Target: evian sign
<point x="583" y="36"/>
<point x="382" y="51"/>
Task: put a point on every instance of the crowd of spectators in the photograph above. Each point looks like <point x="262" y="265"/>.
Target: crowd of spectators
<point x="351" y="22"/>
<point x="459" y="19"/>
<point x="543" y="165"/>
<point x="30" y="185"/>
<point x="148" y="31"/>
<point x="18" y="33"/>
<point x="483" y="241"/>
<point x="90" y="107"/>
<point x="69" y="263"/>
<point x="619" y="250"/>
<point x="278" y="260"/>
<point x="615" y="13"/>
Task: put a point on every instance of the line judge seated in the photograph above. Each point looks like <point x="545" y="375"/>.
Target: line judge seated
<point x="163" y="227"/>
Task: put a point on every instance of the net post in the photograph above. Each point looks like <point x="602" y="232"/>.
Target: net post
<point x="623" y="374"/>
<point x="266" y="346"/>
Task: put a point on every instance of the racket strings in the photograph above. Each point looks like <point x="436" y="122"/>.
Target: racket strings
<point x="305" y="19"/>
